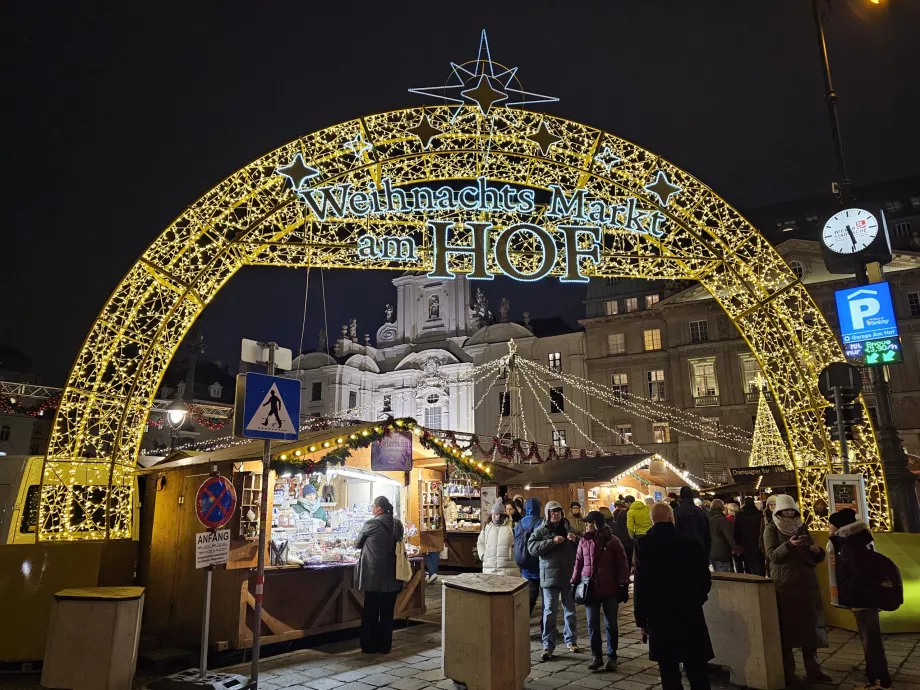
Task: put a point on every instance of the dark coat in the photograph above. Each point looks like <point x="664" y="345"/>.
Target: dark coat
<point x="602" y="558"/>
<point x="851" y="545"/>
<point x="691" y="521"/>
<point x="556" y="560"/>
<point x="619" y="530"/>
<point x="376" y="569"/>
<point x="672" y="584"/>
<point x="801" y="612"/>
<point x="532" y="515"/>
<point x="748" y="526"/>
<point x="723" y="540"/>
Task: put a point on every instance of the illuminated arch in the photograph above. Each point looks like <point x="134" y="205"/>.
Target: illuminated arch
<point x="255" y="217"/>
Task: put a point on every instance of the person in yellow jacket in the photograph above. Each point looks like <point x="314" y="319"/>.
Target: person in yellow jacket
<point x="639" y="518"/>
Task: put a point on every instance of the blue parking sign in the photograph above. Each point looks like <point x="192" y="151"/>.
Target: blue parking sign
<point x="866" y="313"/>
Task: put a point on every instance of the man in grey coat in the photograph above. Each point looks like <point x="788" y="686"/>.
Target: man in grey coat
<point x="556" y="544"/>
<point x="375" y="575"/>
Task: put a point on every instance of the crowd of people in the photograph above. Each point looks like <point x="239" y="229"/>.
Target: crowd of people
<point x="667" y="549"/>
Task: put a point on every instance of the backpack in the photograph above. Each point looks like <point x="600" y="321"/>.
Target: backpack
<point x="880" y="581"/>
<point x="521" y="556"/>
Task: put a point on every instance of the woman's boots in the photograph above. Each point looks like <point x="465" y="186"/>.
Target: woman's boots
<point x="813" y="670"/>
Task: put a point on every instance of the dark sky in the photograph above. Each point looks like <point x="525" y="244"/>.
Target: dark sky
<point x="122" y="114"/>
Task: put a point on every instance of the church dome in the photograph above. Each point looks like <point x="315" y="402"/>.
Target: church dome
<point x="498" y="333"/>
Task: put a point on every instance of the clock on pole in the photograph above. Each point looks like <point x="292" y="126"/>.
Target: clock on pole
<point x="854" y="237"/>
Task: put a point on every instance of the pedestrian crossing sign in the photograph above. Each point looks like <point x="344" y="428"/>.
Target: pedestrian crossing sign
<point x="267" y="407"/>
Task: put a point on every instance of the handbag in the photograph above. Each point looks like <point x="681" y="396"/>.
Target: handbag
<point x="581" y="591"/>
<point x="403" y="567"/>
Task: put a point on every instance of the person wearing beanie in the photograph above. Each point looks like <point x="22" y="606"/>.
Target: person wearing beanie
<point x="793" y="557"/>
<point x="851" y="578"/>
<point x="723" y="538"/>
<point x="577" y="522"/>
<point x="673" y="500"/>
<point x="747" y="533"/>
<point x="691" y="521"/>
<point x="556" y="545"/>
<point x="638" y="521"/>
<point x="601" y="559"/>
<point x="495" y="544"/>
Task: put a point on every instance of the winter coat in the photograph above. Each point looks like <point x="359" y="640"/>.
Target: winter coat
<point x="747" y="529"/>
<point x="601" y="557"/>
<point x="851" y="543"/>
<point x="620" y="530"/>
<point x="723" y="540"/>
<point x="578" y="525"/>
<point x="556" y="560"/>
<point x="638" y="519"/>
<point x="531" y="515"/>
<point x="671" y="585"/>
<point x="792" y="568"/>
<point x="691" y="521"/>
<point x="451" y="511"/>
<point x="376" y="569"/>
<point x="495" y="547"/>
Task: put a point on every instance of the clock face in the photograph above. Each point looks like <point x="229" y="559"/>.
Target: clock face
<point x="850" y="231"/>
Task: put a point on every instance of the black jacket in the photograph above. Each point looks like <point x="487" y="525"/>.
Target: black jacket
<point x="692" y="521"/>
<point x="747" y="529"/>
<point x="851" y="544"/>
<point x="672" y="584"/>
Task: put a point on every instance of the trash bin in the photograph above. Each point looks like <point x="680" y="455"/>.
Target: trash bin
<point x="92" y="638"/>
<point x="485" y="631"/>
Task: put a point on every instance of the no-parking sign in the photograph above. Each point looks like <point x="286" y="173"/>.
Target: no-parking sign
<point x="215" y="502"/>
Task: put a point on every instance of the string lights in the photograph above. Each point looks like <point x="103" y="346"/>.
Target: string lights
<point x="768" y="447"/>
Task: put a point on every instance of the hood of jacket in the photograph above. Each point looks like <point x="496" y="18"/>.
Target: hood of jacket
<point x="858" y="531"/>
<point x="749" y="509"/>
<point x="532" y="507"/>
<point x="552" y="505"/>
<point x="638" y="507"/>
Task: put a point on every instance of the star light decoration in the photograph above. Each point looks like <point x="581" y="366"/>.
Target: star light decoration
<point x="662" y="188"/>
<point x="297" y="171"/>
<point x="489" y="85"/>
<point x="607" y="158"/>
<point x="359" y="145"/>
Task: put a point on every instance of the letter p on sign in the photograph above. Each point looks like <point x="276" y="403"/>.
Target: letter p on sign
<point x="861" y="309"/>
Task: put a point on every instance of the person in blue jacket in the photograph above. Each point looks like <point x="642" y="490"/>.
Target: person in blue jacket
<point x="531" y="520"/>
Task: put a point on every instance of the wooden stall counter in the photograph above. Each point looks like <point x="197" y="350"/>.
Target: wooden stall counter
<point x="461" y="550"/>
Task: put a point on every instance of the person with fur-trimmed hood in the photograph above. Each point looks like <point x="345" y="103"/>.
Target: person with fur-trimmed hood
<point x="556" y="545"/>
<point x="495" y="544"/>
<point x="850" y="542"/>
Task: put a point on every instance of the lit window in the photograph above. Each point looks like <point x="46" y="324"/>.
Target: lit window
<point x="555" y="361"/>
<point x="215" y="390"/>
<point x="699" y="331"/>
<point x="433" y="417"/>
<point x="611" y="307"/>
<point x="751" y="377"/>
<point x="504" y="402"/>
<point x="893" y="206"/>
<point x="703" y="374"/>
<point x="619" y="384"/>
<point x="798" y="268"/>
<point x="902" y="229"/>
<point x="623" y="434"/>
<point x="5" y="433"/>
<point x="661" y="432"/>
<point x="656" y="385"/>
<point x="652" y="339"/>
<point x="556" y="400"/>
<point x="316" y="392"/>
<point x="352" y="399"/>
<point x="709" y="427"/>
<point x="632" y="304"/>
<point x="616" y="343"/>
<point x="651" y="300"/>
<point x="913" y="301"/>
<point x="559" y="438"/>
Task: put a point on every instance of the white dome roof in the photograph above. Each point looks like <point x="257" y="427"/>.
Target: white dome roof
<point x="498" y="333"/>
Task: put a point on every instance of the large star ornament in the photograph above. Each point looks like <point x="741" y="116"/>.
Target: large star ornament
<point x="544" y="138"/>
<point x="358" y="145"/>
<point x="297" y="171"/>
<point x="484" y="83"/>
<point x="662" y="188"/>
<point x="425" y="131"/>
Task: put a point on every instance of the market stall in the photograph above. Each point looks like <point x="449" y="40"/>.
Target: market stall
<point x="320" y="492"/>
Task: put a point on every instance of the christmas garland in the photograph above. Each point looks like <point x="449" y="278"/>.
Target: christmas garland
<point x="515" y="448"/>
<point x="198" y="415"/>
<point x="13" y="406"/>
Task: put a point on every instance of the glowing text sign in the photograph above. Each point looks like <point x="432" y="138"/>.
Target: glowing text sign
<point x="589" y="216"/>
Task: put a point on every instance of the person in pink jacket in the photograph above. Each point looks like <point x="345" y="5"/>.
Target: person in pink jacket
<point x="601" y="559"/>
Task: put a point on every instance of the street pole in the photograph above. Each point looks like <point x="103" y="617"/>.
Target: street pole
<point x="263" y="529"/>
<point x="841" y="428"/>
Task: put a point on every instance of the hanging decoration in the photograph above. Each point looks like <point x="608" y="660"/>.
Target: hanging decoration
<point x="13" y="406"/>
<point x="768" y="447"/>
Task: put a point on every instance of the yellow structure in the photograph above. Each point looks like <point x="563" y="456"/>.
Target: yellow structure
<point x="767" y="446"/>
<point x="666" y="224"/>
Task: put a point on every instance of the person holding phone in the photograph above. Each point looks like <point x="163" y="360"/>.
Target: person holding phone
<point x="793" y="557"/>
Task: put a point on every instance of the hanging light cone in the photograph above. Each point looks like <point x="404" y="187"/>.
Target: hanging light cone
<point x="768" y="447"/>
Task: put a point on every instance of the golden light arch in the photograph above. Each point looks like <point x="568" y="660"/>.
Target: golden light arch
<point x="256" y="217"/>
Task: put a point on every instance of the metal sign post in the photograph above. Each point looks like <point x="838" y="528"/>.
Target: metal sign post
<point x="841" y="427"/>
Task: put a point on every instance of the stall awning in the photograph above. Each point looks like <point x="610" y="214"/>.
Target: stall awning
<point x="588" y="470"/>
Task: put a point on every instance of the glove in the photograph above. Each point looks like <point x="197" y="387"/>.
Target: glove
<point x="623" y="594"/>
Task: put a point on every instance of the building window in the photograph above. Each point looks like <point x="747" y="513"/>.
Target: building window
<point x="709" y="427"/>
<point x="661" y="432"/>
<point x="902" y="229"/>
<point x="751" y="377"/>
<point x="433" y="417"/>
<point x="619" y="384"/>
<point x="611" y="281"/>
<point x="433" y="399"/>
<point x="352" y="399"/>
<point x="798" y="268"/>
<point x="215" y="390"/>
<point x="915" y="201"/>
<point x="611" y="307"/>
<point x="703" y="375"/>
<point x="873" y="415"/>
<point x="616" y="343"/>
<point x="656" y="385"/>
<point x="787" y="225"/>
<point x="811" y="217"/>
<point x="699" y="331"/>
<point x="893" y="206"/>
<point x="387" y="403"/>
<point x="632" y="304"/>
<point x="504" y="402"/>
<point x="913" y="301"/>
<point x="555" y="361"/>
<point x="652" y="339"/>
<point x="556" y="401"/>
<point x="559" y="438"/>
<point x="5" y="433"/>
<point x="623" y="434"/>
<point x="651" y="300"/>
<point x="316" y="392"/>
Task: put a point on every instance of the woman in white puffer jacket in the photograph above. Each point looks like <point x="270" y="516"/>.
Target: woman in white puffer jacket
<point x="495" y="545"/>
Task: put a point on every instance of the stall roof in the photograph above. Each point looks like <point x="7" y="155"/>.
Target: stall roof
<point x="579" y="470"/>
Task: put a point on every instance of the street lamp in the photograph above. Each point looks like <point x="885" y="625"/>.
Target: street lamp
<point x="175" y="417"/>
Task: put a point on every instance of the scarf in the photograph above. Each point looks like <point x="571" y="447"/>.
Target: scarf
<point x="787" y="526"/>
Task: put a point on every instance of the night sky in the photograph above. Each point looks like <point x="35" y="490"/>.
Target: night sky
<point x="119" y="115"/>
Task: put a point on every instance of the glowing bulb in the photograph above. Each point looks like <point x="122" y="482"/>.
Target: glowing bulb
<point x="326" y="444"/>
<point x="283" y="456"/>
<point x="340" y="440"/>
<point x="312" y="449"/>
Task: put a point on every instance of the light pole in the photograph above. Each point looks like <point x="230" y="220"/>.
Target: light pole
<point x="902" y="497"/>
<point x="175" y="418"/>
